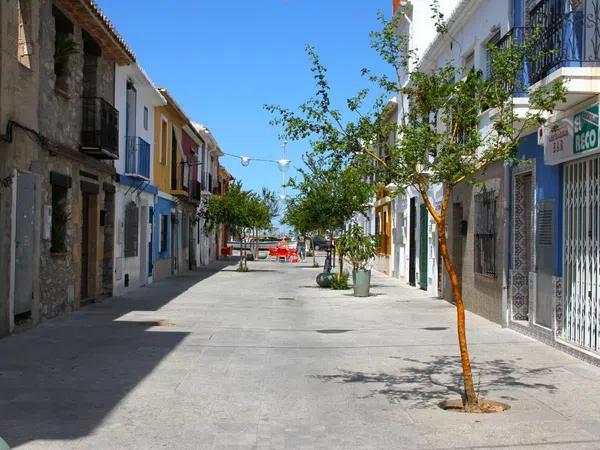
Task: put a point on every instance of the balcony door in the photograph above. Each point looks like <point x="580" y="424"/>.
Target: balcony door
<point x="130" y="130"/>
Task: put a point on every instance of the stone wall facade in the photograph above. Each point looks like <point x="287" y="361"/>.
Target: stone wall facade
<point x="43" y="141"/>
<point x="482" y="293"/>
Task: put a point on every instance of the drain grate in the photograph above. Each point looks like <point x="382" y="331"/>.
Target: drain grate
<point x="434" y="328"/>
<point x="155" y="323"/>
<point x="332" y="331"/>
<point x="286" y="298"/>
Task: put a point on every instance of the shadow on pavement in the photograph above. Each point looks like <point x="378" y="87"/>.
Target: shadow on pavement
<point x="423" y="384"/>
<point x="62" y="378"/>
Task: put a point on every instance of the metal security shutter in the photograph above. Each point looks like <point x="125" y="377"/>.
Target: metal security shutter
<point x="582" y="253"/>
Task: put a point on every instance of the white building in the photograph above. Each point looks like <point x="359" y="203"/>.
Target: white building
<point x="410" y="248"/>
<point x="208" y="177"/>
<point x="135" y="98"/>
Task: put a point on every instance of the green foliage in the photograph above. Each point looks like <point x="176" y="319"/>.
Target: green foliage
<point x="358" y="247"/>
<point x="238" y="209"/>
<point x="64" y="47"/>
<point x="329" y="194"/>
<point x="458" y="123"/>
<point x="340" y="283"/>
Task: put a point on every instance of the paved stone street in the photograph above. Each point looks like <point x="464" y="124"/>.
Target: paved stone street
<point x="218" y="359"/>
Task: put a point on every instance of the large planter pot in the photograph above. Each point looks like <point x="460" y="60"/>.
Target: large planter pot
<point x="362" y="282"/>
<point x="325" y="279"/>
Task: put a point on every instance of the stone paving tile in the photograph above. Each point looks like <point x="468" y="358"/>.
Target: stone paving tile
<point x="242" y="364"/>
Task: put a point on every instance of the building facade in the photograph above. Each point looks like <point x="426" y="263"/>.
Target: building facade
<point x="135" y="197"/>
<point x="58" y="188"/>
<point x="554" y="271"/>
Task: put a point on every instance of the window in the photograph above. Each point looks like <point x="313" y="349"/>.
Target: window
<point x="164" y="232"/>
<point x="64" y="47"/>
<point x="184" y="232"/>
<point x="60" y="218"/>
<point x="469" y="63"/>
<point x="491" y="42"/>
<point x="164" y="131"/>
<point x="146" y="118"/>
<point x="485" y="233"/>
<point x="132" y="220"/>
<point x="24" y="32"/>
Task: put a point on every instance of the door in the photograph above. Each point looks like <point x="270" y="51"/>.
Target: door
<point x="522" y="260"/>
<point x="544" y="247"/>
<point x="24" y="243"/>
<point x="150" y="241"/>
<point x="412" y="249"/>
<point x="423" y="247"/>
<point x="144" y="231"/>
<point x="581" y="270"/>
<point x="85" y="245"/>
<point x="174" y="246"/>
<point x="458" y="235"/>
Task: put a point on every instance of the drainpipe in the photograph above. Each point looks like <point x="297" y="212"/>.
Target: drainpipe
<point x="506" y="239"/>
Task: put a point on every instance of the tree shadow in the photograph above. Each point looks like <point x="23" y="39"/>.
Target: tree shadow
<point x="60" y="380"/>
<point x="423" y="384"/>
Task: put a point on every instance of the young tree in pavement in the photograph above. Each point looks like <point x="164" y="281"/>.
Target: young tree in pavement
<point x="459" y="123"/>
<point x="238" y="209"/>
<point x="329" y="195"/>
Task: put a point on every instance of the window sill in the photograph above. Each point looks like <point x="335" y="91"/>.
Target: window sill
<point x="486" y="276"/>
<point x="59" y="254"/>
<point x="64" y="94"/>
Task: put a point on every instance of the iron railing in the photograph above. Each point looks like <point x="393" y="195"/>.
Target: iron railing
<point x="100" y="128"/>
<point x="137" y="157"/>
<point x="559" y="39"/>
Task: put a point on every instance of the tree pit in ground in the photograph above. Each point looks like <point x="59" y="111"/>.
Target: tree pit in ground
<point x="482" y="407"/>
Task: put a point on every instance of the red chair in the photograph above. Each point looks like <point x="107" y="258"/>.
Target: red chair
<point x="273" y="252"/>
<point x="282" y="253"/>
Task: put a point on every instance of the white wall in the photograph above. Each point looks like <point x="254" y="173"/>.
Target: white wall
<point x="147" y="96"/>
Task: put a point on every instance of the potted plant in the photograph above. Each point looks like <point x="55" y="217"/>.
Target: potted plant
<point x="360" y="249"/>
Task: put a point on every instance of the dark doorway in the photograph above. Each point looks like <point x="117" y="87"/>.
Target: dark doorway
<point x="85" y="245"/>
<point x="459" y="232"/>
<point x="412" y="237"/>
<point x="423" y="247"/>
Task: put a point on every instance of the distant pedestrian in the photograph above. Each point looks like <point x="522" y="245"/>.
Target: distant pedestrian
<point x="301" y="249"/>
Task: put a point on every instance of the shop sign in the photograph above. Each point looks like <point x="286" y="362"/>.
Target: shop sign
<point x="571" y="139"/>
<point x="558" y="142"/>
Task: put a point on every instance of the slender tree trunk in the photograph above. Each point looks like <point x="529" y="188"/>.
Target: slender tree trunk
<point x="471" y="399"/>
<point x="312" y="249"/>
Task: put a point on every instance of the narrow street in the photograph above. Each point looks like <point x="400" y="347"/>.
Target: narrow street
<point x="219" y="359"/>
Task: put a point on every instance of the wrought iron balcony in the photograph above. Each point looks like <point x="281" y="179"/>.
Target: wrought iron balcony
<point x="565" y="39"/>
<point x="137" y="157"/>
<point x="100" y="129"/>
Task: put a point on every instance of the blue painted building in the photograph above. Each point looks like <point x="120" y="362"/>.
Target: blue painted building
<point x="164" y="236"/>
<point x="554" y="253"/>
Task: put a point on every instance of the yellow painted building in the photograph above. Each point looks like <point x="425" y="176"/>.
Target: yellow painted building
<point x="168" y="156"/>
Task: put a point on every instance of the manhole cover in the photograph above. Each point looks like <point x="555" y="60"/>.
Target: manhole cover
<point x="434" y="328"/>
<point x="332" y="331"/>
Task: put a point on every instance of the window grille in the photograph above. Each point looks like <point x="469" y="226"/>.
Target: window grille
<point x="485" y="233"/>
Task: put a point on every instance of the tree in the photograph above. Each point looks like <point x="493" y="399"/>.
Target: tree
<point x="441" y="140"/>
<point x="238" y="209"/>
<point x="330" y="193"/>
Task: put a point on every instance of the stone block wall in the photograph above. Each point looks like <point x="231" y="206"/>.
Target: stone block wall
<point x="482" y="294"/>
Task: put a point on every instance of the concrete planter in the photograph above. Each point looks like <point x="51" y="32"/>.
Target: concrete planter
<point x="362" y="282"/>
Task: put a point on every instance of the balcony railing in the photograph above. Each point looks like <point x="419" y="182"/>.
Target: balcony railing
<point x="137" y="154"/>
<point x="561" y="40"/>
<point x="100" y="129"/>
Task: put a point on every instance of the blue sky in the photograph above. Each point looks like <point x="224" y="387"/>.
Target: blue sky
<point x="223" y="60"/>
